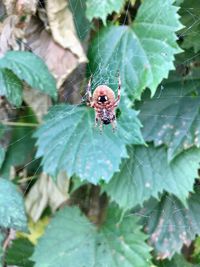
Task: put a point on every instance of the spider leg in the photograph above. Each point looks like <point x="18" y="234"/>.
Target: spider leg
<point x="114" y="124"/>
<point x="101" y="127"/>
<point x="118" y="92"/>
<point x="88" y="92"/>
<point x="96" y="120"/>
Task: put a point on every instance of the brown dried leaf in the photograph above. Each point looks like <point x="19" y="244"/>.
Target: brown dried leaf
<point x="20" y="7"/>
<point x="10" y="33"/>
<point x="63" y="29"/>
<point x="38" y="101"/>
<point x="26" y="6"/>
<point x="61" y="62"/>
<point x="46" y="193"/>
<point x="10" y="6"/>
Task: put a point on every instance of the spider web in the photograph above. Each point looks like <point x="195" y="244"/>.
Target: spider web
<point x="106" y="75"/>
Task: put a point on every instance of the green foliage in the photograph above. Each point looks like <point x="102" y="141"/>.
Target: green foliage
<point x="143" y="52"/>
<point x="30" y="68"/>
<point x="12" y="213"/>
<point x="11" y="87"/>
<point x="176" y="261"/>
<point x="110" y="245"/>
<point x="21" y="148"/>
<point x="68" y="141"/>
<point x="19" y="253"/>
<point x="153" y="181"/>
<point x="2" y="156"/>
<point x="171" y="117"/>
<point x="147" y="173"/>
<point x="170" y="224"/>
<point x="81" y="22"/>
<point x="100" y="9"/>
<point x="190" y="18"/>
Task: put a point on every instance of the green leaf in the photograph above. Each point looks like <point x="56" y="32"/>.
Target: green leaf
<point x="12" y="212"/>
<point x="21" y="149"/>
<point x="81" y="244"/>
<point x="189" y="13"/>
<point x="170" y="224"/>
<point x="177" y="261"/>
<point x="143" y="52"/>
<point x="2" y="156"/>
<point x="1" y="248"/>
<point x="172" y="116"/>
<point x="30" y="68"/>
<point x="101" y="8"/>
<point x="11" y="87"/>
<point x="82" y="24"/>
<point x="147" y="173"/>
<point x="68" y="141"/>
<point x="19" y="252"/>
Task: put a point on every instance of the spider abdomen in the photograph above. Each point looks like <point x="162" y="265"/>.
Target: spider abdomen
<point x="104" y="102"/>
<point x="103" y="94"/>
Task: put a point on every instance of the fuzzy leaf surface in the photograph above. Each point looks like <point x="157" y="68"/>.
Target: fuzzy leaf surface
<point x="171" y="117"/>
<point x="11" y="87"/>
<point x="146" y="173"/>
<point x="12" y="212"/>
<point x="143" y="52"/>
<point x="30" y="68"/>
<point x="171" y="225"/>
<point x="81" y="244"/>
<point x="101" y="8"/>
<point x="69" y="141"/>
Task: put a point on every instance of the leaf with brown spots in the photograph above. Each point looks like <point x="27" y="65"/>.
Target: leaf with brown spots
<point x="171" y="225"/>
<point x="171" y="117"/>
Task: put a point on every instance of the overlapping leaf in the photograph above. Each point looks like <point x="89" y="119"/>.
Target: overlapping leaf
<point x="170" y="224"/>
<point x="11" y="87"/>
<point x="30" y="68"/>
<point x="68" y="141"/>
<point x="146" y="173"/>
<point x="19" y="252"/>
<point x="143" y="52"/>
<point x="81" y="244"/>
<point x="101" y="9"/>
<point x="12" y="213"/>
<point x="190" y="18"/>
<point x="172" y="116"/>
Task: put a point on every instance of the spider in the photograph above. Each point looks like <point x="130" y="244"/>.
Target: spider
<point x="104" y="102"/>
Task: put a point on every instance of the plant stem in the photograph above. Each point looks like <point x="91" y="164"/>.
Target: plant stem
<point x="20" y="124"/>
